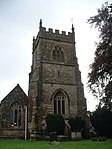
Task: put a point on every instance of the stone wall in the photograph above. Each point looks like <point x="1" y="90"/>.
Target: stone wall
<point x="12" y="134"/>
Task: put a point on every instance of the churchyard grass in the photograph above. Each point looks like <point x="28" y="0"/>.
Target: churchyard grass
<point x="85" y="144"/>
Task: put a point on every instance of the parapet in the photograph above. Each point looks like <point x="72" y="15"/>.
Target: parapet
<point x="56" y="35"/>
<point x="58" y="32"/>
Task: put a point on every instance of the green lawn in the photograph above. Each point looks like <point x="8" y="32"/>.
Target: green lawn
<point x="22" y="144"/>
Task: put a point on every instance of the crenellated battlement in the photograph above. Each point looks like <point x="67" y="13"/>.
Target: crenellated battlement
<point x="55" y="35"/>
<point x="58" y="32"/>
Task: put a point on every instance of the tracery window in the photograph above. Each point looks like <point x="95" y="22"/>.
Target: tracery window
<point x="58" y="54"/>
<point x="59" y="103"/>
<point x="15" y="114"/>
<point x="4" y="120"/>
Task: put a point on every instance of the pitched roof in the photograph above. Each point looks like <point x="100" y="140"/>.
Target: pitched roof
<point x="16" y="93"/>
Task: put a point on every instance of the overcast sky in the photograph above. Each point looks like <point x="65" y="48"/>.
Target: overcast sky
<point x="19" y="22"/>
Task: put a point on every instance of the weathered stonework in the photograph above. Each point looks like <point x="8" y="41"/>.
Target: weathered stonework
<point x="55" y="74"/>
<point x="55" y="86"/>
<point x="12" y="113"/>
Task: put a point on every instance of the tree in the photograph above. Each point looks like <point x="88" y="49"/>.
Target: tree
<point x="100" y="75"/>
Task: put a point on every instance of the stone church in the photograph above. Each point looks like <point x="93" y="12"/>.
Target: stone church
<point x="55" y="85"/>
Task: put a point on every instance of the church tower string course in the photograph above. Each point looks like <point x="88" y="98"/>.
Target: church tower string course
<point x="55" y="85"/>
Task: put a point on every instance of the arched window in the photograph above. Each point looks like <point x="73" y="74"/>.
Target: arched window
<point x="4" y="120"/>
<point x="59" y="103"/>
<point x="15" y="114"/>
<point x="58" y="54"/>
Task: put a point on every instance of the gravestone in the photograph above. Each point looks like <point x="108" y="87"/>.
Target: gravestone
<point x="53" y="136"/>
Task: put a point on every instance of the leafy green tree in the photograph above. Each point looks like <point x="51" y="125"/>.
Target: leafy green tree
<point x="100" y="75"/>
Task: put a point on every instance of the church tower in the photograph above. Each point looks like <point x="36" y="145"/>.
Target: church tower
<point x="55" y="85"/>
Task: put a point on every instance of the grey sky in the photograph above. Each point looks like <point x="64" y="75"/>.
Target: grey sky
<point x="19" y="21"/>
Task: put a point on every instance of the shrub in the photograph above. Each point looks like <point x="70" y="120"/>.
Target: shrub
<point x="77" y="124"/>
<point x="101" y="120"/>
<point x="55" y="123"/>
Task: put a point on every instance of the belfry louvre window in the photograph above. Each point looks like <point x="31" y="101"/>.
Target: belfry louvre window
<point x="58" y="54"/>
<point x="59" y="103"/>
<point x="15" y="114"/>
